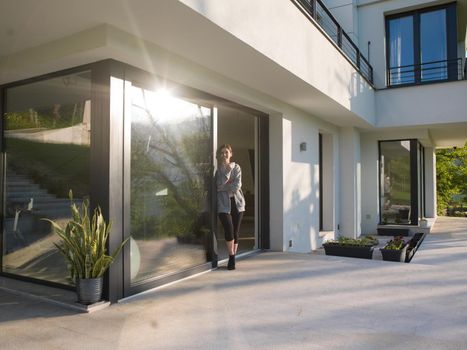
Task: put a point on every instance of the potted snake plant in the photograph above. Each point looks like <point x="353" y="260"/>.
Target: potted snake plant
<point x="83" y="243"/>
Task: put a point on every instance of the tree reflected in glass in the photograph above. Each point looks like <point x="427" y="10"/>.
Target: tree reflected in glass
<point x="170" y="178"/>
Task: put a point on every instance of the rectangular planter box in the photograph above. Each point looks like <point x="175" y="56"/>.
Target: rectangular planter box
<point x="416" y="240"/>
<point x="394" y="255"/>
<point x="361" y="252"/>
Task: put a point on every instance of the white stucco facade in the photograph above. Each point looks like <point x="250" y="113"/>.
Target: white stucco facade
<point x="268" y="56"/>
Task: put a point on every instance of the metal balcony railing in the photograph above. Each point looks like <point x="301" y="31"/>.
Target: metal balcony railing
<point x="428" y="72"/>
<point x="327" y="23"/>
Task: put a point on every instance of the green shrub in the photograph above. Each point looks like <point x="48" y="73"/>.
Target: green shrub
<point x="397" y="243"/>
<point x="366" y="241"/>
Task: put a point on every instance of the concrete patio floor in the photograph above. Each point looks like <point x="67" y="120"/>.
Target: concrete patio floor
<point x="274" y="301"/>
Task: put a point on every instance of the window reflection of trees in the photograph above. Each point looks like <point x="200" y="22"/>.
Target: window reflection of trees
<point x="170" y="174"/>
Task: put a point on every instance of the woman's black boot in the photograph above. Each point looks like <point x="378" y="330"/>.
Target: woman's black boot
<point x="231" y="263"/>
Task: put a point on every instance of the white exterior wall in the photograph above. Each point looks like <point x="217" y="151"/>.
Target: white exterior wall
<point x="294" y="202"/>
<point x="276" y="183"/>
<point x="370" y="200"/>
<point x="301" y="186"/>
<point x="294" y="174"/>
<point x="278" y="30"/>
<point x="346" y="13"/>
<point x="350" y="170"/>
<point x="295" y="183"/>
<point x="422" y="105"/>
<point x="252" y="58"/>
<point x="330" y="174"/>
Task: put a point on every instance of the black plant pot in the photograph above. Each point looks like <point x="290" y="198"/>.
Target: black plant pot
<point x="362" y="252"/>
<point x="89" y="290"/>
<point x="394" y="255"/>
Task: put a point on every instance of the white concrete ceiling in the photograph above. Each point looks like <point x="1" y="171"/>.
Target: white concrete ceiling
<point x="446" y="136"/>
<point x="172" y="25"/>
<point x="175" y="27"/>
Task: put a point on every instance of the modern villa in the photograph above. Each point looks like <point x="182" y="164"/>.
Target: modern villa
<point x="334" y="110"/>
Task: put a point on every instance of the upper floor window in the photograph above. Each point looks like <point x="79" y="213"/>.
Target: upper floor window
<point x="421" y="46"/>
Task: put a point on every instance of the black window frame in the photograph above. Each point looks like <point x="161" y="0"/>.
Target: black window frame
<point x="320" y="150"/>
<point x="417" y="183"/>
<point x="109" y="129"/>
<point x="451" y="43"/>
<point x="119" y="283"/>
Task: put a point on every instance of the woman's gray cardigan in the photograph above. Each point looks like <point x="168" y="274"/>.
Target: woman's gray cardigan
<point x="229" y="181"/>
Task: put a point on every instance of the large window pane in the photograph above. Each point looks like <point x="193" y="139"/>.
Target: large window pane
<point x="237" y="128"/>
<point x="401" y="50"/>
<point x="171" y="174"/>
<point x="421" y="180"/>
<point x="418" y="47"/>
<point x="47" y="149"/>
<point x="433" y="45"/>
<point x="395" y="182"/>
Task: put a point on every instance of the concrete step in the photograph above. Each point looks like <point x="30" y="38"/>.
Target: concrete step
<point x="24" y="187"/>
<point x="12" y="175"/>
<point x="25" y="197"/>
<point x="17" y="182"/>
<point x="20" y="183"/>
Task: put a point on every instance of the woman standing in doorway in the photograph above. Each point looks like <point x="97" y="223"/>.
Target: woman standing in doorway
<point x="230" y="199"/>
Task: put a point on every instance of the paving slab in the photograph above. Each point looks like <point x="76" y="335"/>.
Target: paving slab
<point x="274" y="301"/>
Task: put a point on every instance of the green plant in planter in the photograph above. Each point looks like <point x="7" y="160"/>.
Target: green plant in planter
<point x="366" y="241"/>
<point x="351" y="247"/>
<point x="83" y="245"/>
<point x="395" y="250"/>
<point x="397" y="243"/>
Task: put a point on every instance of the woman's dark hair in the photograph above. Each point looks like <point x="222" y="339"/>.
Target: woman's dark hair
<point x="226" y="146"/>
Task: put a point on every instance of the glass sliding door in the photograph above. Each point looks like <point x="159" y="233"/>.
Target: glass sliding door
<point x="395" y="182"/>
<point x="170" y="183"/>
<point x="402" y="182"/>
<point x="238" y="128"/>
<point x="169" y="191"/>
<point x="47" y="127"/>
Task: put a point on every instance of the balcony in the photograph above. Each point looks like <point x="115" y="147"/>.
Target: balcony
<point x="428" y="72"/>
<point x="321" y="17"/>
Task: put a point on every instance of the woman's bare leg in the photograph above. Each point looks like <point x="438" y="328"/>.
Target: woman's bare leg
<point x="231" y="247"/>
